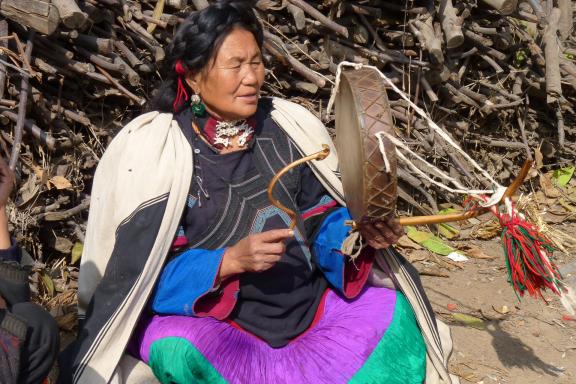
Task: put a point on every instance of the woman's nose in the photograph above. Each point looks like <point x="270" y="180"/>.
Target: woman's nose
<point x="250" y="75"/>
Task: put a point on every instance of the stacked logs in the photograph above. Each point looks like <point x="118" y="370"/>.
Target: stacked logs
<point x="499" y="75"/>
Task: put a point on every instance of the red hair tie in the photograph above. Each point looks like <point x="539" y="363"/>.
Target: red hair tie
<point x="181" y="90"/>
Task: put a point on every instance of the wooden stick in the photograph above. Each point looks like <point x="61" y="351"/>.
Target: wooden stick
<point x="154" y="21"/>
<point x="560" y="124"/>
<point x="101" y="61"/>
<point x="23" y="100"/>
<point x="428" y="89"/>
<point x="34" y="130"/>
<point x="61" y="215"/>
<point x="551" y="52"/>
<point x="70" y="14"/>
<point x="505" y="7"/>
<point x="565" y="25"/>
<point x="127" y="71"/>
<point x="478" y="39"/>
<point x="165" y="17"/>
<point x="51" y="46"/>
<point x="538" y="10"/>
<point x="424" y="31"/>
<point x="365" y="10"/>
<point x="37" y="14"/>
<point x="93" y="43"/>
<point x="377" y="40"/>
<point x="451" y="24"/>
<point x="138" y="100"/>
<point x="3" y="44"/>
<point x="330" y="24"/>
<point x="127" y="53"/>
<point x="294" y="63"/>
<point x="385" y="56"/>
<point x="200" y="4"/>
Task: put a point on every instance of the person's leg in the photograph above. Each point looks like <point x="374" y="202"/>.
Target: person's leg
<point x="41" y="346"/>
<point x="12" y="337"/>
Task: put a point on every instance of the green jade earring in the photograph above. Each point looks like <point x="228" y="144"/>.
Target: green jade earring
<point x="198" y="107"/>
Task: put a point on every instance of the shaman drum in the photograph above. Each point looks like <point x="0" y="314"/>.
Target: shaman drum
<point x="362" y="110"/>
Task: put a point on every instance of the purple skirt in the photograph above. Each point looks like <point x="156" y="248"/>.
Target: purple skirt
<point x="366" y="340"/>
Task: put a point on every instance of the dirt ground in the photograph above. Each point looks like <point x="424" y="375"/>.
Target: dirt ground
<point x="519" y="342"/>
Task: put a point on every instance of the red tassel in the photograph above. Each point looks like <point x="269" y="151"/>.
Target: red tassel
<point x="528" y="255"/>
<point x="181" y="90"/>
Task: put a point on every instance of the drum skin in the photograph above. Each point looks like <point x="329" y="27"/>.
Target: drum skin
<point x="362" y="110"/>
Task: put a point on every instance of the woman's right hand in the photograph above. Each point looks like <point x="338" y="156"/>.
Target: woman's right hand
<point x="255" y="253"/>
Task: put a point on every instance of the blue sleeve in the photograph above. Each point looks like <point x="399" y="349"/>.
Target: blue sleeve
<point x="185" y="279"/>
<point x="327" y="245"/>
<point x="11" y="254"/>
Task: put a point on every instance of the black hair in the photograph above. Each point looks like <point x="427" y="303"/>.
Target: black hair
<point x="197" y="41"/>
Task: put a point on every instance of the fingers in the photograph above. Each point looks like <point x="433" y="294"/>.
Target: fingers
<point x="275" y="235"/>
<point x="272" y="248"/>
<point x="373" y="236"/>
<point x="263" y="262"/>
<point x="5" y="170"/>
<point x="386" y="231"/>
<point x="394" y="224"/>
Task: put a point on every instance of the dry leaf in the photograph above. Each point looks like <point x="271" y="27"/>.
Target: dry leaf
<point x="28" y="190"/>
<point x="475" y="252"/>
<point x="548" y="186"/>
<point x="502" y="310"/>
<point x="406" y="242"/>
<point x="63" y="245"/>
<point x="469" y="320"/>
<point x="77" y="252"/>
<point x="417" y="255"/>
<point x="487" y="230"/>
<point x="60" y="182"/>
<point x="538" y="159"/>
<point x="67" y="322"/>
<point x="48" y="284"/>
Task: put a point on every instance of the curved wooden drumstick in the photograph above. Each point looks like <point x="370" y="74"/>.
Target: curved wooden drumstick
<point x="320" y="155"/>
<point x="413" y="220"/>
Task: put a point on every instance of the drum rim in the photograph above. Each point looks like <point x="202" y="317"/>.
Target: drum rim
<point x="359" y="119"/>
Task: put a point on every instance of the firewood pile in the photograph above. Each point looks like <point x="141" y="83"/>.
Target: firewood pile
<point x="499" y="75"/>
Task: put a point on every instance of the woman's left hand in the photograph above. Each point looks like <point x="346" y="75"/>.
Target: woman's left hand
<point x="382" y="234"/>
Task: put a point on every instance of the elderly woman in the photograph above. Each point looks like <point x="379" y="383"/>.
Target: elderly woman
<point x="189" y="268"/>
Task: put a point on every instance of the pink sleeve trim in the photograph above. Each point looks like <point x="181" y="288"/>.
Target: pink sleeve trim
<point x="219" y="306"/>
<point x="356" y="273"/>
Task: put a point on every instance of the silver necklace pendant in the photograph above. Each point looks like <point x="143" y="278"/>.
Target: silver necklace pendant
<point x="225" y="130"/>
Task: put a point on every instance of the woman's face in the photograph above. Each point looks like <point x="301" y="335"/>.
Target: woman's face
<point x="230" y="85"/>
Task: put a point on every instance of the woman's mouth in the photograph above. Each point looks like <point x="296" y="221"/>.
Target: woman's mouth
<point x="249" y="99"/>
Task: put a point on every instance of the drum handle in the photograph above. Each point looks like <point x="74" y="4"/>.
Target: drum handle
<point x="320" y="155"/>
<point x="437" y="219"/>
